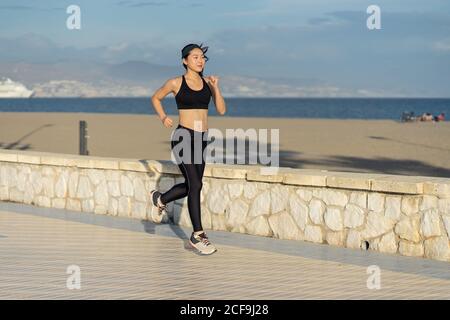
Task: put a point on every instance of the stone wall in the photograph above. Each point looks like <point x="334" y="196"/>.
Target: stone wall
<point x="387" y="213"/>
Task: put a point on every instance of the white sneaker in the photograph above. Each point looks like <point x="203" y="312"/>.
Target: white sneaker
<point x="156" y="200"/>
<point x="202" y="244"/>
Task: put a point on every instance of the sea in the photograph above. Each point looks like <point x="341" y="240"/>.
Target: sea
<point x="327" y="108"/>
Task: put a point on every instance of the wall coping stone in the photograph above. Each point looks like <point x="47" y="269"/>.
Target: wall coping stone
<point x="414" y="185"/>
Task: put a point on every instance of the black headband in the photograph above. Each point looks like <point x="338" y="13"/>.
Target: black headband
<point x="185" y="51"/>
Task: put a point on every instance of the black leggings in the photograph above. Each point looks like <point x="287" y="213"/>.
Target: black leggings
<point x="192" y="172"/>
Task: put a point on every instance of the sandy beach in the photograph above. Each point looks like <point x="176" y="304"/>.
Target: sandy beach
<point x="379" y="146"/>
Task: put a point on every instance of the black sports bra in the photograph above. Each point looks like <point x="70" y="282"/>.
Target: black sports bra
<point x="186" y="98"/>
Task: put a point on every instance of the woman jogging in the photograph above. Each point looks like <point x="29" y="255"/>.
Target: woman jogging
<point x="192" y="94"/>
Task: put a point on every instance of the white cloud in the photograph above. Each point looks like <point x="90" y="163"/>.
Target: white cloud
<point x="118" y="47"/>
<point x="442" y="46"/>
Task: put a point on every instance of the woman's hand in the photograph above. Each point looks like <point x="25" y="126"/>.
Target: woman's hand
<point x="214" y="81"/>
<point x="167" y="122"/>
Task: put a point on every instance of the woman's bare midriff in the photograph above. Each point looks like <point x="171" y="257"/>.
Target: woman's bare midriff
<point x="195" y="119"/>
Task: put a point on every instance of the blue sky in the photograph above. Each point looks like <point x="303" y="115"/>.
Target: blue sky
<point x="317" y="42"/>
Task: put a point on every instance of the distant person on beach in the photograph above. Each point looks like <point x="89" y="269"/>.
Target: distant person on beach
<point x="427" y="117"/>
<point x="408" y="116"/>
<point x="440" y="117"/>
<point x="192" y="93"/>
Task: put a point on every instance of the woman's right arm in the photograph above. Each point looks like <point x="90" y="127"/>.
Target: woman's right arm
<point x="158" y="96"/>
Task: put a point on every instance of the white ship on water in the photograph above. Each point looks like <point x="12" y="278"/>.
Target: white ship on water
<point x="11" y="89"/>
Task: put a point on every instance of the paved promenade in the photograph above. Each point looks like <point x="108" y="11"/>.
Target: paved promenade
<point x="119" y="258"/>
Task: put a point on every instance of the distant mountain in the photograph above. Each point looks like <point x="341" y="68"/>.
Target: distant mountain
<point x="138" y="78"/>
<point x="139" y="71"/>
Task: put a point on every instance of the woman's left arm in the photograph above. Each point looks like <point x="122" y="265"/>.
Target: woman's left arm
<point x="221" y="107"/>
